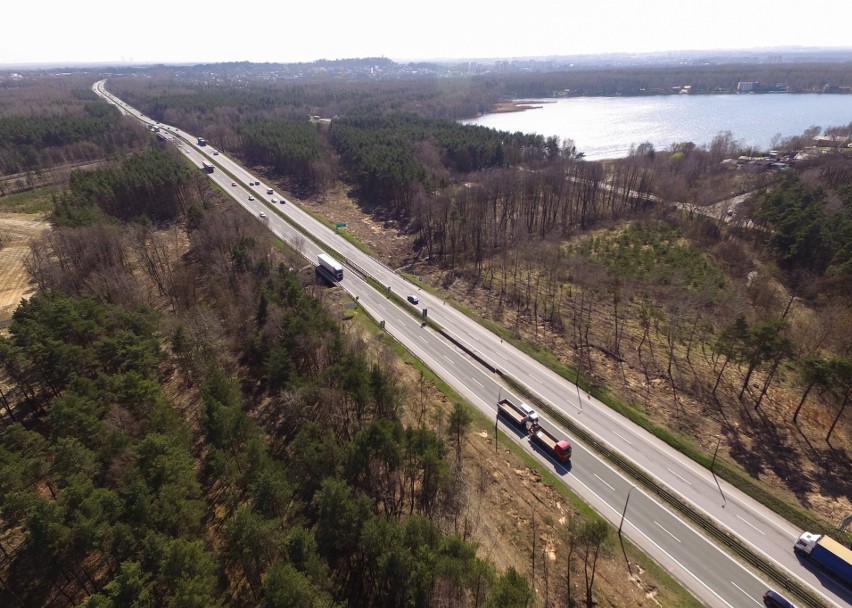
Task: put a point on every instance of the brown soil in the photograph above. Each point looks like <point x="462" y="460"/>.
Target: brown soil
<point x="16" y="232"/>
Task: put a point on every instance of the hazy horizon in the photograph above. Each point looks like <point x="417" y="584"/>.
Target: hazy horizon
<point x="262" y="33"/>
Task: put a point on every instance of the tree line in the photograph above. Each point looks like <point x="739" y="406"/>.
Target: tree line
<point x="48" y="122"/>
<point x="149" y="185"/>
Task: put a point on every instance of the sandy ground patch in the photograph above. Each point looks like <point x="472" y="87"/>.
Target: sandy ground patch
<point x="16" y="232"/>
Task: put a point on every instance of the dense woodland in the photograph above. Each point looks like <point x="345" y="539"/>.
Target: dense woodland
<point x="532" y="232"/>
<point x="48" y="121"/>
<point x="288" y="476"/>
<point x="313" y="493"/>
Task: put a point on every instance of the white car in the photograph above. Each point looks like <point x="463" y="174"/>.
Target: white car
<point x="413" y="299"/>
<point x="251" y="198"/>
<point x="272" y="200"/>
<point x="262" y="214"/>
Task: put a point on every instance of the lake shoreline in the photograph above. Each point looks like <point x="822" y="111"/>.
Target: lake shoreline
<point x="607" y="127"/>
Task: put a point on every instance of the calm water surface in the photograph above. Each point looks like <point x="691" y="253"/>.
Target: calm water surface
<point x="605" y="127"/>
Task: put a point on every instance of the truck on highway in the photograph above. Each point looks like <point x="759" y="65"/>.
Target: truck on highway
<point x="202" y="141"/>
<point x="827" y="553"/>
<point x="208" y="168"/>
<point x="520" y="414"/>
<point x="560" y="449"/>
<point x="329" y="268"/>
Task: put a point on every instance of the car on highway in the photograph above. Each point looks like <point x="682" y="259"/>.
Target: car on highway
<point x="261" y="214"/>
<point x="215" y="153"/>
<point x="771" y="599"/>
<point x="233" y="183"/>
<point x="413" y="299"/>
<point x="251" y="198"/>
<point x="269" y="190"/>
<point x="272" y="200"/>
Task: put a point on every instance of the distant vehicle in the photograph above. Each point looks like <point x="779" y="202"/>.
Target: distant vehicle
<point x="251" y="198"/>
<point x="283" y="201"/>
<point x="269" y="190"/>
<point x="272" y="200"/>
<point x="827" y="553"/>
<point x="207" y="166"/>
<point x="262" y="214"/>
<point x="413" y="299"/>
<point x="233" y="183"/>
<point x="202" y="141"/>
<point x="329" y="268"/>
<point x="774" y="600"/>
<point x="215" y="153"/>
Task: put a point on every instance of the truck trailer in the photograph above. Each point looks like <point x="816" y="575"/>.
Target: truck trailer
<point x="560" y="449"/>
<point x="329" y="268"/>
<point x="519" y="414"/>
<point x="827" y="553"/>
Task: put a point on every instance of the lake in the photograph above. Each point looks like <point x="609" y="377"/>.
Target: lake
<point x="605" y="127"/>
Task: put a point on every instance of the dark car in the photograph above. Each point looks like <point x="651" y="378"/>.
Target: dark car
<point x="774" y="600"/>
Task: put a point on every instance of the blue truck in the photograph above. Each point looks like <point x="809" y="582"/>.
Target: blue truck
<point x="827" y="553"/>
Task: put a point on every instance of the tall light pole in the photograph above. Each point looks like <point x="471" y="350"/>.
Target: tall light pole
<point x="627" y="500"/>
<point x="713" y="464"/>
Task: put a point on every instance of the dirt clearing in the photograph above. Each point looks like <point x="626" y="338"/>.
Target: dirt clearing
<point x="16" y="232"/>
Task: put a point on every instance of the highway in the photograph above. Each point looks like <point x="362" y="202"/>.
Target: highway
<point x="715" y="577"/>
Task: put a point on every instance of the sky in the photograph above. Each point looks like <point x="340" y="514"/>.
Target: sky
<point x="170" y="31"/>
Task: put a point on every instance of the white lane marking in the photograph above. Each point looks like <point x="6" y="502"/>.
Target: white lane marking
<point x="659" y="548"/>
<point x="678" y="476"/>
<point x="746" y="593"/>
<point x="422" y="338"/>
<point x="752" y="526"/>
<point x="478" y="382"/>
<point x="623" y="439"/>
<point x="533" y="378"/>
<point x="447" y="358"/>
<point x="603" y="482"/>
<point x="666" y="531"/>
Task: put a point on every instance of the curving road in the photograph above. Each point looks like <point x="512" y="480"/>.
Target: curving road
<point x="714" y="576"/>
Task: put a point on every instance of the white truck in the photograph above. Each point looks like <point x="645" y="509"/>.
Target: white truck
<point x="329" y="268"/>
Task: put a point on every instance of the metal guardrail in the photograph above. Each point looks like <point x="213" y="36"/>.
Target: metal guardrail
<point x="731" y="542"/>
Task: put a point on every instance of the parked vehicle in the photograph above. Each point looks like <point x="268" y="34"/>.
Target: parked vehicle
<point x="520" y="414"/>
<point x="329" y="268"/>
<point x="827" y="553"/>
<point x="560" y="449"/>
